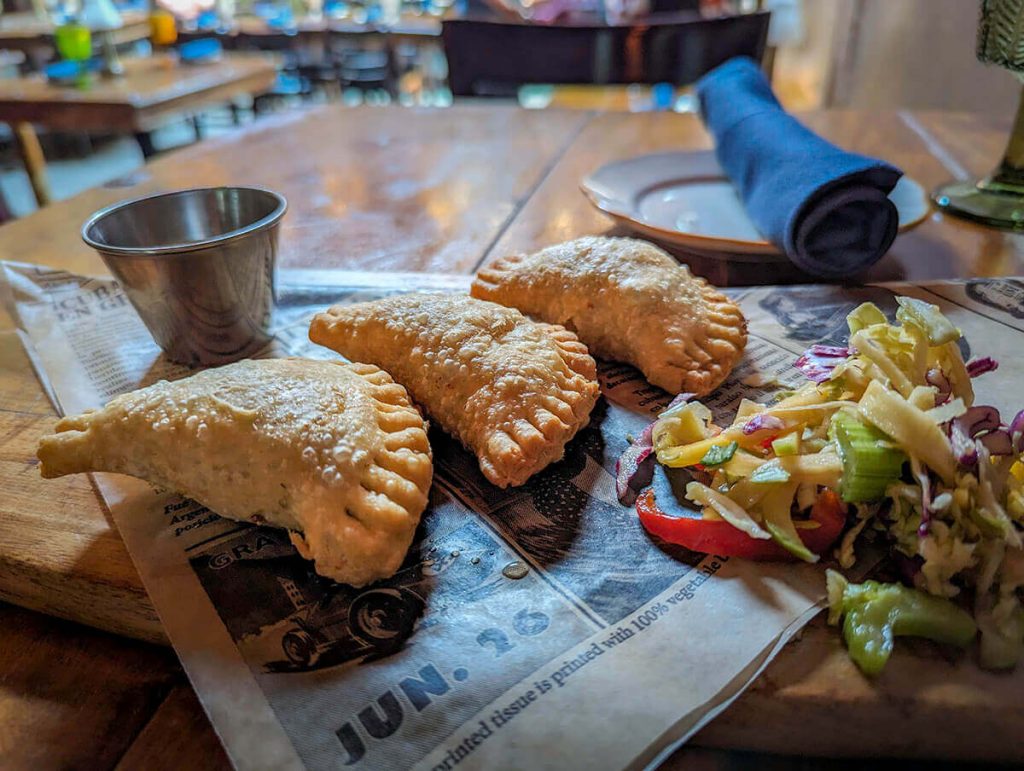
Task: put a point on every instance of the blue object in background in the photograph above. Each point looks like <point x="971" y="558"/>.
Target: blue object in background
<point x="828" y="209"/>
<point x="281" y="18"/>
<point x="663" y="96"/>
<point x="63" y="70"/>
<point x="201" y="50"/>
<point x="66" y="72"/>
<point x="207" y="20"/>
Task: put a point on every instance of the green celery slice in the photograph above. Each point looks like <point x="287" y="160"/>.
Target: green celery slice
<point x="719" y="454"/>
<point x="869" y="466"/>
<point x="787" y="445"/>
<point x="876" y="613"/>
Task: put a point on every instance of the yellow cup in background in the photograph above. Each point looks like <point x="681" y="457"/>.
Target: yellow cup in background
<point x="163" y="29"/>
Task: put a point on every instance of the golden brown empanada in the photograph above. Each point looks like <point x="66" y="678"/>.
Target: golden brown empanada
<point x="334" y="452"/>
<point x="628" y="301"/>
<point x="512" y="390"/>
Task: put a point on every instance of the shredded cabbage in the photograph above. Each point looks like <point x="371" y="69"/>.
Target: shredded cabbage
<point x="929" y="318"/>
<point x="911" y="429"/>
<point x="945" y="412"/>
<point x="726" y="509"/>
<point x="958" y="519"/>
<point x="863" y="316"/>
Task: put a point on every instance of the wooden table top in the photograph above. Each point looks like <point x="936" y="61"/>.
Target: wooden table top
<point x="150" y="87"/>
<point x="425" y="190"/>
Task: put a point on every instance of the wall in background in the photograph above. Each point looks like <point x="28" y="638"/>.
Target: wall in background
<point x="916" y="53"/>
<point x="885" y="54"/>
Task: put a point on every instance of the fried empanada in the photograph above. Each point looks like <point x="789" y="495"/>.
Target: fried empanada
<point x="511" y="390"/>
<point x="334" y="452"/>
<point x="628" y="301"/>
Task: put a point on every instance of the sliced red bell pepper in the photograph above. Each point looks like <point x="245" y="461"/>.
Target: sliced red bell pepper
<point x="829" y="512"/>
<point x="713" y="536"/>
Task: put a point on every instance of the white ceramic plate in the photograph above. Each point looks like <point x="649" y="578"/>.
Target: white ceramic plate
<point x="684" y="199"/>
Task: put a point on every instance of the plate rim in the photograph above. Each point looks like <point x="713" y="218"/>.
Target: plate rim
<point x="616" y="208"/>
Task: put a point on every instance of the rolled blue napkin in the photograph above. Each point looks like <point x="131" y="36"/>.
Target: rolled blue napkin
<point x="828" y="209"/>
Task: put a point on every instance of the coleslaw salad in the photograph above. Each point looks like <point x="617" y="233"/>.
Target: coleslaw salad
<point x="887" y="433"/>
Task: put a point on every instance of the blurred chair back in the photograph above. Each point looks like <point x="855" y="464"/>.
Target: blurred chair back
<point x="494" y="58"/>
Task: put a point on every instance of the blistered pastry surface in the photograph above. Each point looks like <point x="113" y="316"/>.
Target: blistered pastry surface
<point x="512" y="390"/>
<point x="628" y="301"/>
<point x="334" y="452"/>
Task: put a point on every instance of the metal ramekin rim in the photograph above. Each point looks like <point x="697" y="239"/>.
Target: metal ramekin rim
<point x="150" y="251"/>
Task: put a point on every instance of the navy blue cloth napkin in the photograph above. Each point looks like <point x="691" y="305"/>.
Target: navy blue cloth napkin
<point x="826" y="208"/>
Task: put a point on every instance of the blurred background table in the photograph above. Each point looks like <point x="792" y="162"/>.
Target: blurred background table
<point x="150" y="90"/>
<point x="26" y="31"/>
<point x="438" y="190"/>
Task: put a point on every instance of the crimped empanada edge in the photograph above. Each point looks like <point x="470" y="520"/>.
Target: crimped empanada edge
<point x="551" y="445"/>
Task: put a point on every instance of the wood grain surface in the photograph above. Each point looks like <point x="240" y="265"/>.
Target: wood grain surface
<point x="391" y="189"/>
<point x="925" y="145"/>
<point x="177" y="737"/>
<point x="60" y="553"/>
<point x="368" y="188"/>
<point x="71" y="697"/>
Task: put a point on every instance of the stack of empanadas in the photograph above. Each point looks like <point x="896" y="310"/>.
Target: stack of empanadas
<point x="338" y="454"/>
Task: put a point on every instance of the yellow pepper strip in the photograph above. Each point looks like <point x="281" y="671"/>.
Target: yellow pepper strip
<point x="910" y="427"/>
<point x="823" y="468"/>
<point x="804" y="412"/>
<point x="873" y="351"/>
<point x="742" y="464"/>
<point x="691" y="454"/>
<point x="805" y="403"/>
<point x="808" y="394"/>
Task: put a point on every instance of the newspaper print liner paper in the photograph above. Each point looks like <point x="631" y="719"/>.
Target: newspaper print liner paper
<point x="537" y="627"/>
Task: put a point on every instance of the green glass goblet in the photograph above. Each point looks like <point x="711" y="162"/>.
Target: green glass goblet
<point x="998" y="199"/>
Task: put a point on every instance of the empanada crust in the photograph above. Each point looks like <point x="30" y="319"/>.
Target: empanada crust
<point x="512" y="390"/>
<point x="628" y="301"/>
<point x="334" y="452"/>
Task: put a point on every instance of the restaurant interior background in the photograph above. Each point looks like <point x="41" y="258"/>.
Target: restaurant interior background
<point x="876" y="54"/>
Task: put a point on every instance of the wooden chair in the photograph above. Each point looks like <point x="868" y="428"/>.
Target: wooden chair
<point x="494" y="58"/>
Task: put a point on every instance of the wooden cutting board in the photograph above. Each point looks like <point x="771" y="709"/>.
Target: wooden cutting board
<point x="60" y="554"/>
<point x="59" y="551"/>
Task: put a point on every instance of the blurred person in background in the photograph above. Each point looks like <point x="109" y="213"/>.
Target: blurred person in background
<point x="186" y="9"/>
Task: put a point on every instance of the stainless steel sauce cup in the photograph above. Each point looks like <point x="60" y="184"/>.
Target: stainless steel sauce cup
<point x="198" y="265"/>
